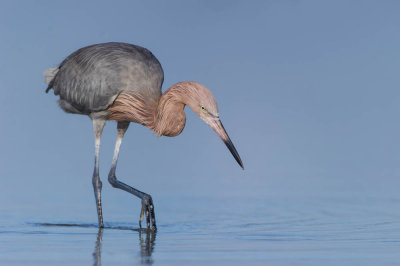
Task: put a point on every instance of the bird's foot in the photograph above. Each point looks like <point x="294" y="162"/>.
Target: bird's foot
<point x="148" y="210"/>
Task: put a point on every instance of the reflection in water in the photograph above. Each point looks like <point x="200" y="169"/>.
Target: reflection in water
<point x="97" y="250"/>
<point x="146" y="246"/>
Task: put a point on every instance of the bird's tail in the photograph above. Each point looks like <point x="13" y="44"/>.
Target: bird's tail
<point x="49" y="75"/>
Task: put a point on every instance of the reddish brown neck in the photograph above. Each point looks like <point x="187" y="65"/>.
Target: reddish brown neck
<point x="165" y="117"/>
<point x="170" y="117"/>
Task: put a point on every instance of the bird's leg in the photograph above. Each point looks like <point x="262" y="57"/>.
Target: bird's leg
<point x="98" y="126"/>
<point x="147" y="202"/>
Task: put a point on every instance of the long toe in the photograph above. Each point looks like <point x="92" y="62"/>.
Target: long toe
<point x="153" y="217"/>
<point x="148" y="211"/>
<point x="141" y="216"/>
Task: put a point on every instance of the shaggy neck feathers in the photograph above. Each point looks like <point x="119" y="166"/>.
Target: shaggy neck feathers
<point x="166" y="117"/>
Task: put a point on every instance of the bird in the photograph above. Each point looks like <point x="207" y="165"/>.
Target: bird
<point x="122" y="82"/>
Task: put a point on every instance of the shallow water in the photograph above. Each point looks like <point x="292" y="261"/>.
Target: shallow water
<point x="245" y="231"/>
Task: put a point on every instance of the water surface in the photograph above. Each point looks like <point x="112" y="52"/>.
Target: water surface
<point x="227" y="231"/>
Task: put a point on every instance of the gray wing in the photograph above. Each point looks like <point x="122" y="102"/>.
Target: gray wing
<point x="92" y="77"/>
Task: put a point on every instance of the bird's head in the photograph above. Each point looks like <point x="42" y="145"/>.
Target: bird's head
<point x="200" y="99"/>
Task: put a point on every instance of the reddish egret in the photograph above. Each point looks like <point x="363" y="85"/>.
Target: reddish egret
<point x="122" y="82"/>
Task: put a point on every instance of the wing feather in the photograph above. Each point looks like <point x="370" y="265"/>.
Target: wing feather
<point x="92" y="77"/>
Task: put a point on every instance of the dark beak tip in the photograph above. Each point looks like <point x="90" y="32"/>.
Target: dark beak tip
<point x="241" y="164"/>
<point x="228" y="142"/>
<point x="234" y="152"/>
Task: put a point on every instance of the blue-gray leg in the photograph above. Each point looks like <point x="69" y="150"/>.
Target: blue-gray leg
<point x="147" y="202"/>
<point x="98" y="126"/>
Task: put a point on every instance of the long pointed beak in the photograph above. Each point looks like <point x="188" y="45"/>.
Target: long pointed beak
<point x="220" y="130"/>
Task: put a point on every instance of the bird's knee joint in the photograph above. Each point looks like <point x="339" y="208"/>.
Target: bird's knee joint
<point x="112" y="180"/>
<point x="96" y="182"/>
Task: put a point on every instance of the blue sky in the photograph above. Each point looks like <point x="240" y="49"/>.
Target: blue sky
<point x="307" y="90"/>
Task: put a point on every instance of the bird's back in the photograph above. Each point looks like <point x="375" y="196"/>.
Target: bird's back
<point x="92" y="77"/>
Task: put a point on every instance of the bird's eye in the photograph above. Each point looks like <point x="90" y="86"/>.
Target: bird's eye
<point x="203" y="108"/>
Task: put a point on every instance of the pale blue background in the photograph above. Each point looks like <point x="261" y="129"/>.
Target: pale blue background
<point x="307" y="90"/>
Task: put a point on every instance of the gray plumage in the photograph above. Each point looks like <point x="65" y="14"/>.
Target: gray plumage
<point x="90" y="79"/>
